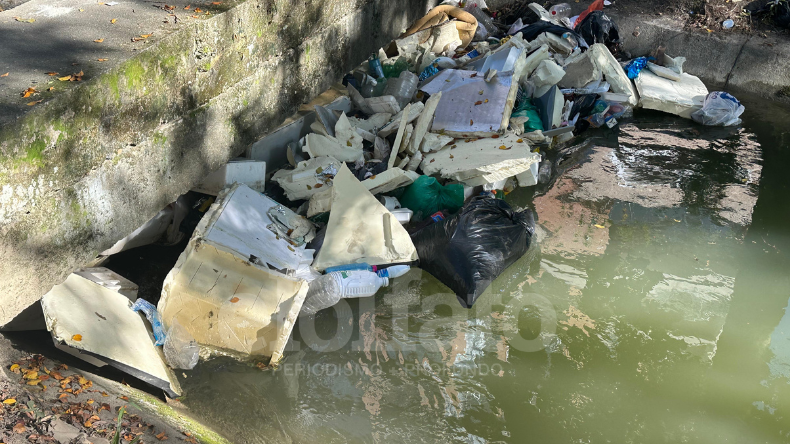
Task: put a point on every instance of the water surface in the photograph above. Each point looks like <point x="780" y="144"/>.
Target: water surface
<point x="654" y="310"/>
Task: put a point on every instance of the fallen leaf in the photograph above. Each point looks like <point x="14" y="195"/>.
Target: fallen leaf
<point x="28" y="92"/>
<point x="169" y="8"/>
<point x="5" y="75"/>
<point x="51" y="73"/>
<point x="125" y="398"/>
<point x="104" y="394"/>
<point x="479" y="102"/>
<point x="65" y="79"/>
<point x="19" y="19"/>
<point x="20" y="428"/>
<point x="216" y="3"/>
<point x="88" y="424"/>
<point x="161" y="436"/>
<point x="31" y="375"/>
<point x="77" y="337"/>
<point x="485" y="101"/>
<point x="503" y="147"/>
<point x="9" y="401"/>
<point x="471" y="122"/>
<point x="113" y="21"/>
<point x="234" y="299"/>
<point x="495" y="136"/>
<point x="187" y="7"/>
<point x="14" y="368"/>
<point x="599" y="226"/>
<point x="520" y="140"/>
<point x="318" y="185"/>
<point x="198" y="10"/>
<point x="43" y="377"/>
<point x="480" y="92"/>
<point x="102" y="60"/>
<point x="63" y="395"/>
<point x="34" y="382"/>
<point x="98" y="40"/>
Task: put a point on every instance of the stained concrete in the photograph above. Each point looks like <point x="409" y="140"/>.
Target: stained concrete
<point x="98" y="158"/>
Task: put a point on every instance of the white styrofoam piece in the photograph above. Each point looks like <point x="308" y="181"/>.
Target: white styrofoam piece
<point x="247" y="171"/>
<point x="612" y="71"/>
<point x="361" y="229"/>
<point x="229" y="303"/>
<point x="680" y="98"/>
<point x="458" y="115"/>
<point x="529" y="177"/>
<point x="300" y="183"/>
<point x="238" y="221"/>
<point x="380" y="183"/>
<point x="413" y="112"/>
<point x="88" y="317"/>
<point x="348" y="150"/>
<point x="110" y="280"/>
<point x="481" y="161"/>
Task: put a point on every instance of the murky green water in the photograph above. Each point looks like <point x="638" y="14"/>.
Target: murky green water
<point x="655" y="311"/>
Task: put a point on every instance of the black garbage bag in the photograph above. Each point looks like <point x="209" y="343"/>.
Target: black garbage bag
<point x="598" y="27"/>
<point x="468" y="251"/>
<point x="780" y="13"/>
<point x="532" y="31"/>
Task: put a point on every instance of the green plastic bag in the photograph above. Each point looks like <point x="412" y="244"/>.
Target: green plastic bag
<point x="525" y="108"/>
<point x="426" y="196"/>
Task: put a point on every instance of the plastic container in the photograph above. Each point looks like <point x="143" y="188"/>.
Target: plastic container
<point x="153" y="317"/>
<point x="560" y="11"/>
<point x="327" y="290"/>
<point x="402" y="88"/>
<point x="375" y="68"/>
<point x="394" y="271"/>
<point x="180" y="348"/>
<point x="727" y="24"/>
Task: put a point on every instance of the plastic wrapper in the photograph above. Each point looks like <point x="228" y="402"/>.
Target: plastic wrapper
<point x="468" y="251"/>
<point x="153" y="317"/>
<point x="599" y="28"/>
<point x="180" y="348"/>
<point x="719" y="109"/>
<point x="634" y="67"/>
<point x="426" y="196"/>
<point x="525" y="108"/>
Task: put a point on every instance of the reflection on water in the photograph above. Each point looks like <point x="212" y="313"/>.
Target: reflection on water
<point x="653" y="310"/>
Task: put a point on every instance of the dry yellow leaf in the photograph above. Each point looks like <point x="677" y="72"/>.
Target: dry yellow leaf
<point x="599" y="226"/>
<point x="145" y="36"/>
<point x="34" y="382"/>
<point x="234" y="299"/>
<point x="31" y="375"/>
<point x="98" y="40"/>
<point x="76" y="337"/>
<point x="102" y="60"/>
<point x="28" y="92"/>
<point x="14" y="368"/>
<point x="64" y="78"/>
<point x="113" y="21"/>
<point x="28" y="20"/>
<point x="9" y="401"/>
<point x="187" y="7"/>
<point x="5" y="75"/>
<point x="33" y="102"/>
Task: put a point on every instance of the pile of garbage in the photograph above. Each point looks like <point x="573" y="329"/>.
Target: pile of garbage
<point x="408" y="168"/>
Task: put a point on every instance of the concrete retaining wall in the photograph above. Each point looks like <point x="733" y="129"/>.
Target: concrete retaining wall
<point x="86" y="168"/>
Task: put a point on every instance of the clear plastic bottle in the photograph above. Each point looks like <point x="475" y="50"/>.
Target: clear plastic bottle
<point x="394" y="271"/>
<point x="402" y="88"/>
<point x="560" y="11"/>
<point x="327" y="290"/>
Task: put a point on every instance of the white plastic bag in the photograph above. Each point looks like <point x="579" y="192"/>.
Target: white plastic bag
<point x="719" y="109"/>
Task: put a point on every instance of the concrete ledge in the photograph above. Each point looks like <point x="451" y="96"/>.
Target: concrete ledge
<point x="89" y="166"/>
<point x="723" y="60"/>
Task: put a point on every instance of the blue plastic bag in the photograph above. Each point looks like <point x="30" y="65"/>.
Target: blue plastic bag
<point x="153" y="317"/>
<point x="634" y="67"/>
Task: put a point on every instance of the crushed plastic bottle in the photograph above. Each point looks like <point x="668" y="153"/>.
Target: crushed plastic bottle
<point x="180" y="348"/>
<point x="351" y="267"/>
<point x="560" y="11"/>
<point x="402" y="88"/>
<point x="153" y="317"/>
<point x="327" y="290"/>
